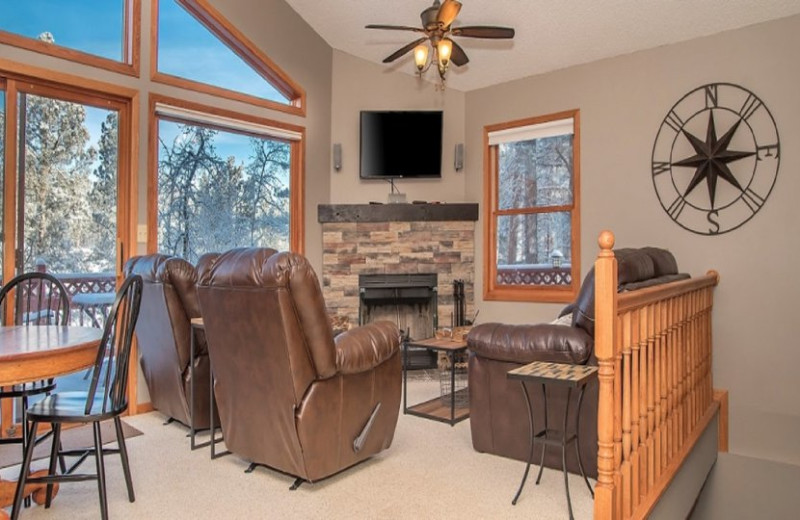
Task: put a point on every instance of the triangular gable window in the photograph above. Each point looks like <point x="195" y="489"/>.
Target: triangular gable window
<point x="200" y="50"/>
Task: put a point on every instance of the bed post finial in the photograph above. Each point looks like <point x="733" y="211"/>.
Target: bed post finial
<point x="606" y="243"/>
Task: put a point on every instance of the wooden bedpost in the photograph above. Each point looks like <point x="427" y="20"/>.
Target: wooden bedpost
<point x="605" y="273"/>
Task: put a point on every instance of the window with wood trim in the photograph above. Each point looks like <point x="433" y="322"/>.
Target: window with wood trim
<point x="222" y="180"/>
<point x="100" y="34"/>
<point x="532" y="209"/>
<point x="195" y="47"/>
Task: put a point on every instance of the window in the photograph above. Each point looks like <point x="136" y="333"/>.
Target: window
<point x="96" y="33"/>
<point x="66" y="181"/>
<point x="224" y="180"/>
<point x="230" y="66"/>
<point x="532" y="210"/>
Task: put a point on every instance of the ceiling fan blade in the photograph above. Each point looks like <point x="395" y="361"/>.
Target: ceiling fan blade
<point x="394" y="27"/>
<point x="483" y="31"/>
<point x="457" y="56"/>
<point x="448" y="12"/>
<point x="399" y="52"/>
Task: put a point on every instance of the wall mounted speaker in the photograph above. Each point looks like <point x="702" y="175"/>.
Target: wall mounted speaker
<point x="458" y="163"/>
<point x="337" y="156"/>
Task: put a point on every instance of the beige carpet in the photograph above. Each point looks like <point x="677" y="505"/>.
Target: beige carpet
<point x="430" y="472"/>
<point x="71" y="439"/>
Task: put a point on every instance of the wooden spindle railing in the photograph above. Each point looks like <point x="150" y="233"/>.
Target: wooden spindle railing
<point x="653" y="348"/>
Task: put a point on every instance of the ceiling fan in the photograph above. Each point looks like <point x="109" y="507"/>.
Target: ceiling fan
<point x="437" y="28"/>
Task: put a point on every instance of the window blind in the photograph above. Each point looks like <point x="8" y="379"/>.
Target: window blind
<point x="531" y="132"/>
<point x="226" y="122"/>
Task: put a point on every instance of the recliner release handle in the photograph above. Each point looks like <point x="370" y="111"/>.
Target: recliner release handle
<point x="359" y="441"/>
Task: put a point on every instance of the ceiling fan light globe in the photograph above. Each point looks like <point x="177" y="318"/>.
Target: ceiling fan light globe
<point x="421" y="56"/>
<point x="444" y="49"/>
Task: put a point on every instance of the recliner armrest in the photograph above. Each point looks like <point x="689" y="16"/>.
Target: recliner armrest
<point x="527" y="343"/>
<point x="363" y="348"/>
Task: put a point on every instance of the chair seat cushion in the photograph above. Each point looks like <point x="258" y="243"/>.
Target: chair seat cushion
<point x="70" y="407"/>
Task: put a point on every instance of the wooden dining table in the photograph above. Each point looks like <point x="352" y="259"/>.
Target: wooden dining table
<point x="31" y="353"/>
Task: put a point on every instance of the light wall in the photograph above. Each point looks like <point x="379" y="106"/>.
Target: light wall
<point x="286" y="38"/>
<point x="361" y="85"/>
<point x="622" y="103"/>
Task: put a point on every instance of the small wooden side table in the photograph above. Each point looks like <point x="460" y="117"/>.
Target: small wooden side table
<point x="195" y="325"/>
<point x="568" y="375"/>
<point x="433" y="409"/>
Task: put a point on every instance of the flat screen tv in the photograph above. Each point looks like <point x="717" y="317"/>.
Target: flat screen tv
<point x="401" y="144"/>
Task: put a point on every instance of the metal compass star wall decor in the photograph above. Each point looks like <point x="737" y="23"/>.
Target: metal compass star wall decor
<point x="737" y="163"/>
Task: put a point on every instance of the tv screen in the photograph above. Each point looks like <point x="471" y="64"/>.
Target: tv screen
<point x="396" y="144"/>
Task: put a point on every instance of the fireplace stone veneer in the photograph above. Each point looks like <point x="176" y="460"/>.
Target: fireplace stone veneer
<point x="397" y="239"/>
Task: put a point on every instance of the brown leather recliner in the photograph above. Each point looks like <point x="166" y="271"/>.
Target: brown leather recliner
<point x="290" y="396"/>
<point x="498" y="411"/>
<point x="169" y="301"/>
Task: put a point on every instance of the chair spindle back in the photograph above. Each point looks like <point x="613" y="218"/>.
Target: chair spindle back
<point x="110" y="372"/>
<point x="39" y="299"/>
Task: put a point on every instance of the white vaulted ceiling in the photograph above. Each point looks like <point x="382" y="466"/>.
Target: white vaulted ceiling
<point x="550" y="35"/>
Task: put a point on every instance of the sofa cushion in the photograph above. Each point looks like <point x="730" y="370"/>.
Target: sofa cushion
<point x="525" y="343"/>
<point x="654" y="281"/>
<point x="663" y="261"/>
<point x="633" y="265"/>
<point x="636" y="268"/>
<point x="583" y="307"/>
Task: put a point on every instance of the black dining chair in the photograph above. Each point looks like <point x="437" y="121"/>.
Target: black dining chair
<point x="106" y="399"/>
<point x="40" y="299"/>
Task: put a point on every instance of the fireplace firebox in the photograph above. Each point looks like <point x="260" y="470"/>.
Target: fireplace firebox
<point x="409" y="300"/>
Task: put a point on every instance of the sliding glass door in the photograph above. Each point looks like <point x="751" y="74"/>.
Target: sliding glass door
<point x="66" y="186"/>
<point x="61" y="195"/>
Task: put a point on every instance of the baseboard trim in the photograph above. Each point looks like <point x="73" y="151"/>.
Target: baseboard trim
<point x="143" y="408"/>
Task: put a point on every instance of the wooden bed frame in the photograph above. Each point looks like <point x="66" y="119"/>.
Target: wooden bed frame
<point x="656" y="393"/>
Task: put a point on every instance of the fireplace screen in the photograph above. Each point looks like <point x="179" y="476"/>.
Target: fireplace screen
<point x="409" y="300"/>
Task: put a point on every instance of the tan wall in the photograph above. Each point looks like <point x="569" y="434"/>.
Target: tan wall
<point x="361" y="85"/>
<point x="300" y="52"/>
<point x="622" y="102"/>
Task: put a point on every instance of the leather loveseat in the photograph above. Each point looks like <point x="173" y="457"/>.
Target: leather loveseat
<point x="169" y="302"/>
<point x="291" y="397"/>
<point x="498" y="411"/>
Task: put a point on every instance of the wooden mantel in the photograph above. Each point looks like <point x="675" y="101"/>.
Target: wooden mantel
<point x="407" y="212"/>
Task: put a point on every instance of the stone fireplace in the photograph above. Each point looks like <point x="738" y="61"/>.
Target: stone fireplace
<point x="417" y="251"/>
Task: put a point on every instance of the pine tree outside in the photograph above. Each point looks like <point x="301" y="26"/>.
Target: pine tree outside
<point x="535" y="174"/>
<point x="220" y="189"/>
<point x="69" y="184"/>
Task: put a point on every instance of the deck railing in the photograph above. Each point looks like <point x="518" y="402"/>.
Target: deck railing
<point x="654" y="350"/>
<point x="84" y="283"/>
<point x="534" y="274"/>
